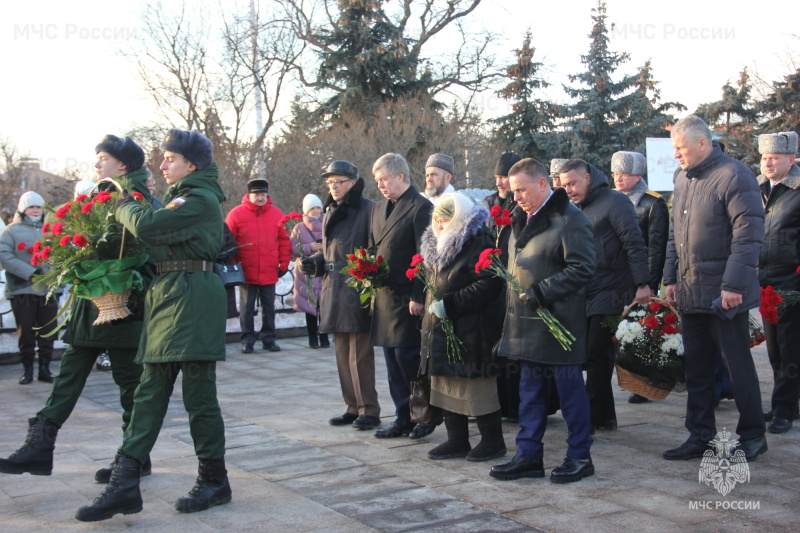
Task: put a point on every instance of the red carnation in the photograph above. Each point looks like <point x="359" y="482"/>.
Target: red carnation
<point x="379" y="259"/>
<point x="502" y="221"/>
<point x="63" y="210"/>
<point x="101" y="199"/>
<point x="21" y="246"/>
<point x="30" y="250"/>
<point x="362" y="252"/>
<point x="670" y="319"/>
<point x="45" y="227"/>
<point x="798" y="269"/>
<point x="417" y="259"/>
<point x="37" y="246"/>
<point x="85" y="208"/>
<point x="35" y="260"/>
<point x="496" y="210"/>
<point x="79" y="240"/>
<point x="65" y="240"/>
<point x="351" y="257"/>
<point x="411" y="273"/>
<point x="654" y="306"/>
<point x="81" y="198"/>
<point x="46" y="253"/>
<point x="58" y="228"/>
<point x="651" y="323"/>
<point x="139" y="196"/>
<point x="363" y="265"/>
<point x="360" y="275"/>
<point x="668" y="329"/>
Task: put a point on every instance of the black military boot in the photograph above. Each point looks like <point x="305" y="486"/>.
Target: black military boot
<point x="44" y="370"/>
<point x="104" y="474"/>
<point x="121" y="495"/>
<point x="27" y="374"/>
<point x="492" y="444"/>
<point x="457" y="443"/>
<point x="36" y="455"/>
<point x="211" y="488"/>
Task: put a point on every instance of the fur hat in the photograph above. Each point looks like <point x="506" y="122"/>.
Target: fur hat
<point x="83" y="187"/>
<point x="125" y="150"/>
<point x="505" y="163"/>
<point x="192" y="145"/>
<point x="555" y="166"/>
<point x="258" y="185"/>
<point x="29" y="199"/>
<point x="629" y="163"/>
<point x="310" y="201"/>
<point x="784" y="142"/>
<point x="445" y="162"/>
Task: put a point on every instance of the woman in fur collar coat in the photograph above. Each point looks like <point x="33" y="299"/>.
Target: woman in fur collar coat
<point x="472" y="301"/>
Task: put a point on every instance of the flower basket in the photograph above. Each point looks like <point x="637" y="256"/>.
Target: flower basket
<point x="111" y="306"/>
<point x="640" y="385"/>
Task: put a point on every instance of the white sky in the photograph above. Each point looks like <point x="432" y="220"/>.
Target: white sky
<point x="65" y="85"/>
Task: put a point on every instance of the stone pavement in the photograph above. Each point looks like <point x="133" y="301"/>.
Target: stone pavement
<point x="292" y="472"/>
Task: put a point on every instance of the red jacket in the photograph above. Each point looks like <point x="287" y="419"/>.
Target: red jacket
<point x="270" y="248"/>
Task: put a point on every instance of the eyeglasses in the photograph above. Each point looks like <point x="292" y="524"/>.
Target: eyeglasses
<point x="331" y="183"/>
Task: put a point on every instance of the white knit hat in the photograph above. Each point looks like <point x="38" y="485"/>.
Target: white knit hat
<point x="310" y="201"/>
<point x="29" y="199"/>
<point x="83" y="187"/>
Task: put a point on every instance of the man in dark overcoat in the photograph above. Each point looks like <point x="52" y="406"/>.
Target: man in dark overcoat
<point x="396" y="227"/>
<point x="710" y="274"/>
<point x="551" y="256"/>
<point x="346" y="228"/>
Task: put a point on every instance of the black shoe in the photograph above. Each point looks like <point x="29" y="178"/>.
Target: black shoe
<point x="343" y="420"/>
<point x="313" y="342"/>
<point x="104" y="474"/>
<point x="393" y="431"/>
<point x="517" y="468"/>
<point x="780" y="425"/>
<point x="121" y="495"/>
<point x="324" y="342"/>
<point x="35" y="456"/>
<point x="247" y="348"/>
<point x="687" y="450"/>
<point x="27" y="376"/>
<point x="635" y="398"/>
<point x="421" y="430"/>
<point x="272" y="346"/>
<point x="365" y="422"/>
<point x="571" y="470"/>
<point x="44" y="373"/>
<point x="211" y="488"/>
<point x="752" y="448"/>
<point x="768" y="415"/>
<point x="450" y="449"/>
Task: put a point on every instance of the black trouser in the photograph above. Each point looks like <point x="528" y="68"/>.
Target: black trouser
<point x="266" y="295"/>
<point x="508" y="387"/>
<point x="705" y="336"/>
<point x="33" y="311"/>
<point x="599" y="369"/>
<point x="783" y="347"/>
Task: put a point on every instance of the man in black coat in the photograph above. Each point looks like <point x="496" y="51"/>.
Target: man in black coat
<point x="710" y="274"/>
<point x="778" y="267"/>
<point x="621" y="276"/>
<point x="627" y="169"/>
<point x="396" y="227"/>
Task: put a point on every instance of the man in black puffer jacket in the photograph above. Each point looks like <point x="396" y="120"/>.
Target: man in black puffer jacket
<point x="620" y="277"/>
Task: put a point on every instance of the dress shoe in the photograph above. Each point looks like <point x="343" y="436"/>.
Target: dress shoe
<point x="779" y="425"/>
<point x="421" y="430"/>
<point x="343" y="420"/>
<point x="635" y="398"/>
<point x="272" y="346"/>
<point x="247" y="348"/>
<point x="393" y="431"/>
<point x="768" y="415"/>
<point x="571" y="470"/>
<point x="752" y="448"/>
<point x="687" y="450"/>
<point x="365" y="422"/>
<point x="517" y="468"/>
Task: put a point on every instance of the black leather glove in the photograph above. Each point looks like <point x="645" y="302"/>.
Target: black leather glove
<point x="282" y="273"/>
<point x="529" y="299"/>
<point x="124" y="199"/>
<point x="308" y="267"/>
<point x="38" y="272"/>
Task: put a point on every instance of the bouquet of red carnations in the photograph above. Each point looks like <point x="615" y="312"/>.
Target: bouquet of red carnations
<point x="367" y="275"/>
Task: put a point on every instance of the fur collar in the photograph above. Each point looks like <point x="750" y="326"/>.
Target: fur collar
<point x="791" y="180"/>
<point x="524" y="229"/>
<point x="454" y="241"/>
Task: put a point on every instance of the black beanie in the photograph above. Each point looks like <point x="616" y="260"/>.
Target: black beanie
<point x="505" y="163"/>
<point x="192" y="145"/>
<point x="125" y="150"/>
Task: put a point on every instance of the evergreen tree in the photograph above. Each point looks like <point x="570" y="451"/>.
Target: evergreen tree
<point x="781" y="107"/>
<point x="521" y="130"/>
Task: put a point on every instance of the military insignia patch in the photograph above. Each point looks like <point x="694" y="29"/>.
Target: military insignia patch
<point x="176" y="203"/>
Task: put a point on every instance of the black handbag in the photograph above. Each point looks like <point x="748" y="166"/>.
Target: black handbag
<point x="422" y="412"/>
<point x="231" y="275"/>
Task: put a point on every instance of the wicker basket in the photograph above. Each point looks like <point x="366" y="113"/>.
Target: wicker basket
<point x="639" y="385"/>
<point x="111" y="307"/>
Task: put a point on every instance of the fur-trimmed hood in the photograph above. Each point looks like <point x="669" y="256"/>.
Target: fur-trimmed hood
<point x="524" y="229"/>
<point x="454" y="241"/>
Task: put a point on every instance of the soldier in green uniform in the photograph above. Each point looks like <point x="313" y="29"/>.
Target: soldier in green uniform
<point x="115" y="157"/>
<point x="185" y="310"/>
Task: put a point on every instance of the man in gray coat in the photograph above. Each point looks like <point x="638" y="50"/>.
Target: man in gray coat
<point x="710" y="274"/>
<point x="396" y="228"/>
<point x="345" y="228"/>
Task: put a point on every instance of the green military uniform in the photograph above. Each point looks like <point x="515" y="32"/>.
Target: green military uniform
<point x="185" y="313"/>
<point x="86" y="342"/>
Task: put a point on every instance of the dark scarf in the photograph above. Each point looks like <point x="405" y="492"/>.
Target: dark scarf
<point x="525" y="230"/>
<point x="335" y="213"/>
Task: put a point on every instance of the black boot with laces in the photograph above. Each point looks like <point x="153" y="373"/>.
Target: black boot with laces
<point x="121" y="495"/>
<point x="211" y="488"/>
<point x="36" y="455"/>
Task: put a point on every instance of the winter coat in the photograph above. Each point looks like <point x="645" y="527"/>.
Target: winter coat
<point x="125" y="333"/>
<point x="619" y="248"/>
<point x="780" y="255"/>
<point x="653" y="217"/>
<point x="716" y="234"/>
<point x="270" y="250"/>
<point x="185" y="311"/>
<point x="554" y="254"/>
<point x="472" y="301"/>
<point x="397" y="238"/>
<point x="16" y="262"/>
<point x="303" y="235"/>
<point x="345" y="228"/>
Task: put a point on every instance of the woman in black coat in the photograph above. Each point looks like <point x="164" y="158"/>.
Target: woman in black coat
<point x="472" y="302"/>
